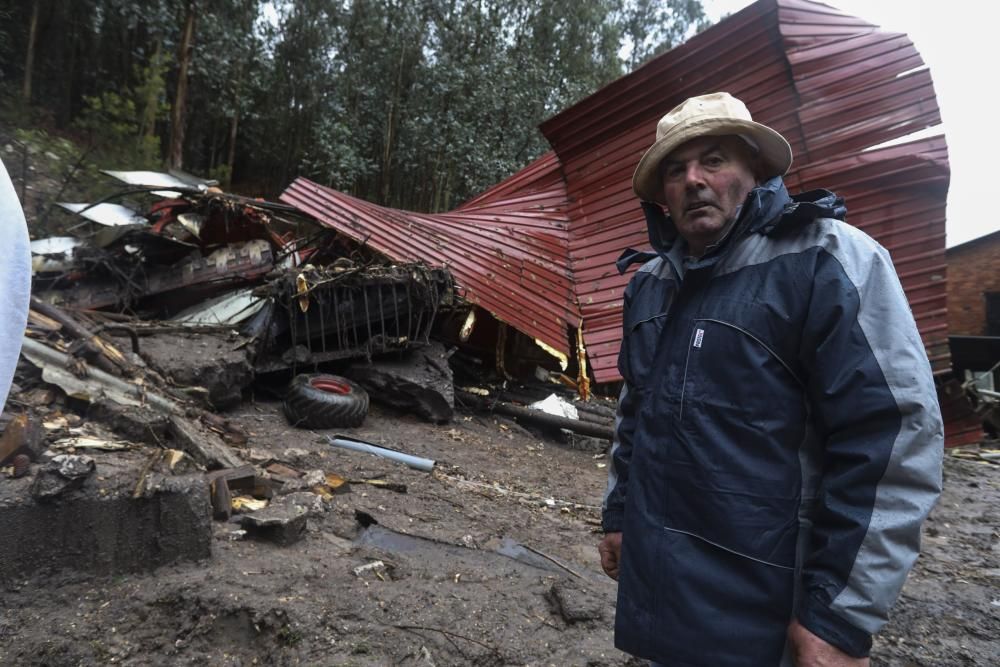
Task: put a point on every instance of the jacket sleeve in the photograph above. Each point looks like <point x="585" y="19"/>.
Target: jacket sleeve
<point x="613" y="507"/>
<point x="878" y="473"/>
<point x="15" y="281"/>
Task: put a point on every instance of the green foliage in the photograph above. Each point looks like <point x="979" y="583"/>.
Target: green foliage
<point x="41" y="144"/>
<point x="111" y="123"/>
<point x="418" y="104"/>
<point x="121" y="126"/>
<point x="6" y="16"/>
<point x="220" y="173"/>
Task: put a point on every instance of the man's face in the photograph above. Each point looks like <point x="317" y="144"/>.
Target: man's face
<point x="704" y="182"/>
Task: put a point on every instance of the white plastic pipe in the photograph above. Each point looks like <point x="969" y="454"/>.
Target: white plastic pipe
<point x="358" y="446"/>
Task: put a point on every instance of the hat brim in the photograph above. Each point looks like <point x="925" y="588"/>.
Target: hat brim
<point x="773" y="149"/>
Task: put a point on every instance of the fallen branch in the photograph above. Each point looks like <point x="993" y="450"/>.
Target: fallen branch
<point x="537" y="416"/>
<point x="554" y="560"/>
<point x="450" y="635"/>
<point x="203" y="445"/>
<point x="97" y="382"/>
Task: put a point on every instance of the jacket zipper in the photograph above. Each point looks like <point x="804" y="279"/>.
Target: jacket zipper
<point x="687" y="360"/>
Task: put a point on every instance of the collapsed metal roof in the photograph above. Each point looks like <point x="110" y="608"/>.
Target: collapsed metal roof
<point x="505" y="248"/>
<point x="538" y="250"/>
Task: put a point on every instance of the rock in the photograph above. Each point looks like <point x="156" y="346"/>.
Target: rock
<point x="307" y="481"/>
<point x="295" y="454"/>
<point x="298" y="355"/>
<point x="213" y="361"/>
<point x="311" y="503"/>
<point x="21" y="436"/>
<point x="573" y="604"/>
<point x="62" y="473"/>
<point x="584" y="443"/>
<point x="281" y="522"/>
<point x="134" y="423"/>
<point x="420" y="383"/>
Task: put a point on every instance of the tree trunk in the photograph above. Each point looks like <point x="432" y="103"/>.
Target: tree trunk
<point x="231" y="158"/>
<point x="152" y="100"/>
<point x="29" y="59"/>
<point x="390" y="128"/>
<point x="177" y="115"/>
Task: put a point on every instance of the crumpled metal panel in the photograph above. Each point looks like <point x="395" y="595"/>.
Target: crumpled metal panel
<point x="539" y="249"/>
<point x="833" y="84"/>
<point x="110" y="215"/>
<point x="506" y="248"/>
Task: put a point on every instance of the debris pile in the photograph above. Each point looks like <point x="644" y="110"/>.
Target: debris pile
<point x="145" y="324"/>
<point x="200" y="258"/>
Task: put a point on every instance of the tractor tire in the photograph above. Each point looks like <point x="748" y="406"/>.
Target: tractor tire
<point x="325" y="401"/>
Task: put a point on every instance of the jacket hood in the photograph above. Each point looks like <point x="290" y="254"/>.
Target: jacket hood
<point x="768" y="210"/>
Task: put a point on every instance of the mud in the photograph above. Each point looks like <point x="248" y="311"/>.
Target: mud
<point x="490" y="560"/>
<point x="949" y="612"/>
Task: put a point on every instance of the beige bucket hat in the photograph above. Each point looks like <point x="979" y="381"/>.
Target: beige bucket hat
<point x="715" y="114"/>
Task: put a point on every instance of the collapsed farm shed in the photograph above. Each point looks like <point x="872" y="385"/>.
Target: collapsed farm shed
<point x="538" y="250"/>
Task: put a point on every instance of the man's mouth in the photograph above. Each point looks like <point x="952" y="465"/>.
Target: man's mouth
<point x="697" y="206"/>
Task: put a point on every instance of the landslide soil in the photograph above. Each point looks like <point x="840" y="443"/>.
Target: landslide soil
<point x="451" y="599"/>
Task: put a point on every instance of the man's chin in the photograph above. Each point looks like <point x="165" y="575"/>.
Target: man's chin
<point x="702" y="226"/>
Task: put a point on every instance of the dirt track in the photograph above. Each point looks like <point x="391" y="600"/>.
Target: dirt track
<point x="451" y="599"/>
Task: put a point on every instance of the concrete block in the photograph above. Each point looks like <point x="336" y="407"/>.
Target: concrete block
<point x="99" y="527"/>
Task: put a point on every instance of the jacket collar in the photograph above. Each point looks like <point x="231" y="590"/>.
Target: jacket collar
<point x="768" y="210"/>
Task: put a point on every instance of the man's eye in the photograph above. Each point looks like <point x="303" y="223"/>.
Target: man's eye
<point x="714" y="160"/>
<point x="674" y="172"/>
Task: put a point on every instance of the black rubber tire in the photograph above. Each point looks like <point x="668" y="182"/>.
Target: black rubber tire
<point x="317" y="400"/>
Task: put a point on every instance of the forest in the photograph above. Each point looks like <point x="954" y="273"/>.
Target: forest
<point x="415" y="104"/>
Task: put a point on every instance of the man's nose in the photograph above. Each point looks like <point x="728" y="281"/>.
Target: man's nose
<point x="694" y="176"/>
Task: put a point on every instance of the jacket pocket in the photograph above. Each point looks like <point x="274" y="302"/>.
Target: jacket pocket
<point x="720" y="355"/>
<point x="639" y="346"/>
<point x="741" y="409"/>
<point x="751" y="518"/>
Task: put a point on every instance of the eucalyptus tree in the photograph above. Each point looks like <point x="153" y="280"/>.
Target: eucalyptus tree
<point x="417" y="104"/>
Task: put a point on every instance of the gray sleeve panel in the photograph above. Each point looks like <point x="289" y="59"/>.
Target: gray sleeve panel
<point x="15" y="281"/>
<point x="911" y="482"/>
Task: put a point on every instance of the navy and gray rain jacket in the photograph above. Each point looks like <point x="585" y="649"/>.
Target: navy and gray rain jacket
<point x="778" y="441"/>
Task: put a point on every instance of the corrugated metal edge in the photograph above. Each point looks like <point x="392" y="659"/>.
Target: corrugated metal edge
<point x="506" y="248"/>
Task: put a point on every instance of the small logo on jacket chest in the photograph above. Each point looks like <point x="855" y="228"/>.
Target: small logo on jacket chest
<point x="699" y="335"/>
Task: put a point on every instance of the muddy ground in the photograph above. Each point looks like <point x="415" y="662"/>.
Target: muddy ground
<point x="452" y="598"/>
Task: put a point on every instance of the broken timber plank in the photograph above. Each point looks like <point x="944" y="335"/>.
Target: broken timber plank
<point x="97" y="383"/>
<point x="203" y="445"/>
<point x="104" y="349"/>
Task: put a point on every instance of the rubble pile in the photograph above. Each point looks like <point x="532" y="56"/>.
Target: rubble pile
<point x="145" y="325"/>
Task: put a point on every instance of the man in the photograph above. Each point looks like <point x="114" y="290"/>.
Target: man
<point x="778" y="441"/>
<point x="15" y="281"/>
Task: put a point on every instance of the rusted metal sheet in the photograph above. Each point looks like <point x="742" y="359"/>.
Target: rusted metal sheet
<point x="538" y="250"/>
<point x="833" y="84"/>
<point x="506" y="248"/>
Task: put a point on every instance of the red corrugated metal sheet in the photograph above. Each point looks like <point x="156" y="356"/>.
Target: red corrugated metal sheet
<point x="832" y="84"/>
<point x="507" y="248"/>
<point x="538" y="250"/>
